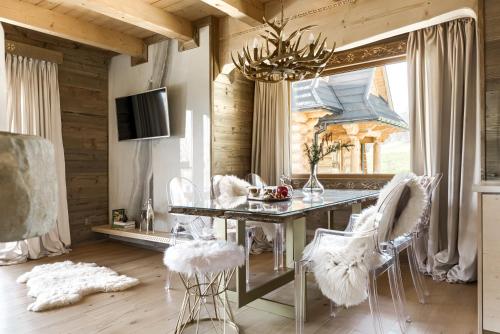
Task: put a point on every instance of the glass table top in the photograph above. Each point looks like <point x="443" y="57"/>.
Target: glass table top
<point x="297" y="204"/>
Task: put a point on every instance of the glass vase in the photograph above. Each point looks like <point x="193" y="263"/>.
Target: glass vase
<point x="313" y="188"/>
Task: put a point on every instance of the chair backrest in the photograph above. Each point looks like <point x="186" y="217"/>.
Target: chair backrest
<point x="214" y="186"/>
<point x="383" y="219"/>
<point x="182" y="192"/>
<point x="387" y="210"/>
<point x="430" y="184"/>
<point x="255" y="180"/>
<point x="286" y="180"/>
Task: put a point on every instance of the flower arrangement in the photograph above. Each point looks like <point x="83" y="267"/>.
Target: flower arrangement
<point x="318" y="151"/>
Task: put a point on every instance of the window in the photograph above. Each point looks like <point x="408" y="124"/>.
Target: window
<point x="366" y="108"/>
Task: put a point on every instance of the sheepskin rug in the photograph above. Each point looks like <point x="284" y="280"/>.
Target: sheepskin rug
<point x="202" y="256"/>
<point x="64" y="283"/>
<point x="341" y="265"/>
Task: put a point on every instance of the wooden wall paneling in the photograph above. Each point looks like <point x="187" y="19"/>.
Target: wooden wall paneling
<point x="83" y="85"/>
<point x="492" y="85"/>
<point x="232" y="124"/>
<point x="26" y="50"/>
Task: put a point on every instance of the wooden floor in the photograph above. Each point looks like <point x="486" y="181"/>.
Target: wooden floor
<point x="147" y="308"/>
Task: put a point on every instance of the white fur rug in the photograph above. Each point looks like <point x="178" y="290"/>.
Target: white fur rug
<point x="64" y="283"/>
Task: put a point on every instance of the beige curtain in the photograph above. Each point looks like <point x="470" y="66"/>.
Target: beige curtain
<point x="271" y="131"/>
<point x="443" y="93"/>
<point x="33" y="107"/>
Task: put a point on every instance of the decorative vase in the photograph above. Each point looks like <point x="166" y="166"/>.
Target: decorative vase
<point x="313" y="188"/>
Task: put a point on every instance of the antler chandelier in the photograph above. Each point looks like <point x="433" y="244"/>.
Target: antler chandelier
<point x="281" y="57"/>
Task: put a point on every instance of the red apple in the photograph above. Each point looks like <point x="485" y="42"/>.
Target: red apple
<point x="283" y="191"/>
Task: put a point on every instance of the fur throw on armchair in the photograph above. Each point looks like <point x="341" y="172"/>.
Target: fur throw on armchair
<point x="341" y="264"/>
<point x="412" y="206"/>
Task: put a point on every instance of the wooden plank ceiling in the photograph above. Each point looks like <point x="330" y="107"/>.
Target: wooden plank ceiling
<point x="126" y="23"/>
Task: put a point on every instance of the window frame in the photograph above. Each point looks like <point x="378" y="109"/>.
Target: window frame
<point x="381" y="53"/>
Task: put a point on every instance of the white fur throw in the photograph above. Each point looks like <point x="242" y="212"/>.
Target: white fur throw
<point x="230" y="191"/>
<point x="341" y="264"/>
<point x="230" y="186"/>
<point x="64" y="283"/>
<point x="200" y="256"/>
<point x="340" y="267"/>
<point x="410" y="215"/>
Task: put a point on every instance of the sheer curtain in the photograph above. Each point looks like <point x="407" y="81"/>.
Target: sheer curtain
<point x="271" y="131"/>
<point x="33" y="107"/>
<point x="443" y="93"/>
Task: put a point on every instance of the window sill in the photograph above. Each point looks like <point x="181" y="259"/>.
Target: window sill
<point x="346" y="176"/>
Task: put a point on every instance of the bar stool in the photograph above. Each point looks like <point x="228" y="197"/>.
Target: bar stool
<point x="205" y="268"/>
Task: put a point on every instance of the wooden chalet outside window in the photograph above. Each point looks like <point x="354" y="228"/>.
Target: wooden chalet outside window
<point x="362" y="99"/>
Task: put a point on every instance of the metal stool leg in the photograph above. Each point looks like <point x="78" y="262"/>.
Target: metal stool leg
<point x="199" y="289"/>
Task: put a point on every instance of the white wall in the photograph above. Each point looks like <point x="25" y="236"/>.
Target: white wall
<point x="187" y="152"/>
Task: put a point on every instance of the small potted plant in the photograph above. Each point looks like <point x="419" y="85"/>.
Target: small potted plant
<point x="316" y="152"/>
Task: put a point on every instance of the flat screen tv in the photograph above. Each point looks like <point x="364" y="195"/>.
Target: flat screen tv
<point x="143" y="115"/>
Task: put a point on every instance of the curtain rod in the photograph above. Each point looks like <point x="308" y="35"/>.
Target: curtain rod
<point x="30" y="51"/>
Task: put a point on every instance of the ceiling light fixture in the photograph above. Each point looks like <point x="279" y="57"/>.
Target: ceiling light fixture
<point x="281" y="57"/>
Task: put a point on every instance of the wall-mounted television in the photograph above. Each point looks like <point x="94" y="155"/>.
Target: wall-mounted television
<point x="143" y="115"/>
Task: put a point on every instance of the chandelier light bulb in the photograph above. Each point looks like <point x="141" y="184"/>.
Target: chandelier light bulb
<point x="255" y="43"/>
<point x="311" y="38"/>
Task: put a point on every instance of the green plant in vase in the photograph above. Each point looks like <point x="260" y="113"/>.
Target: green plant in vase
<point x="316" y="152"/>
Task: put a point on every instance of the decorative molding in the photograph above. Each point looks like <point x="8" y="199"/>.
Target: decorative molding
<point x="333" y="5"/>
<point x="10" y="46"/>
<point x="388" y="51"/>
<point x="367" y="182"/>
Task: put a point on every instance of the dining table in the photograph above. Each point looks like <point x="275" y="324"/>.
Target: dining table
<point x="296" y="213"/>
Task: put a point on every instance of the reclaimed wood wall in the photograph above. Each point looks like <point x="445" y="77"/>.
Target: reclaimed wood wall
<point x="232" y="119"/>
<point x="83" y="85"/>
<point x="492" y="76"/>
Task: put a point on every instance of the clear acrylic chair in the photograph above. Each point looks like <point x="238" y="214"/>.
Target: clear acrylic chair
<point x="182" y="192"/>
<point x="380" y="258"/>
<point x="230" y="227"/>
<point x="279" y="229"/>
<point x="409" y="242"/>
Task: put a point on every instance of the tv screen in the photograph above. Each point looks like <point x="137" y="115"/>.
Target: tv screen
<point x="143" y="115"/>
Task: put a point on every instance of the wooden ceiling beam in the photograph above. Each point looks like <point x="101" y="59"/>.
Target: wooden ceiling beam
<point x="46" y="21"/>
<point x="141" y="14"/>
<point x="250" y="13"/>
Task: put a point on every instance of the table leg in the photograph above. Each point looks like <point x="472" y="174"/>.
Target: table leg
<point x="331" y="219"/>
<point x="241" y="284"/>
<point x="295" y="241"/>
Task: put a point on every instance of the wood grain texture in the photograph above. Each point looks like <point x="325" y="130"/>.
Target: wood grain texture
<point x="142" y="15"/>
<point x="147" y="308"/>
<point x="491" y="263"/>
<point x="242" y="10"/>
<point x="232" y="120"/>
<point x="65" y="26"/>
<point x="83" y="85"/>
<point x="492" y="86"/>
